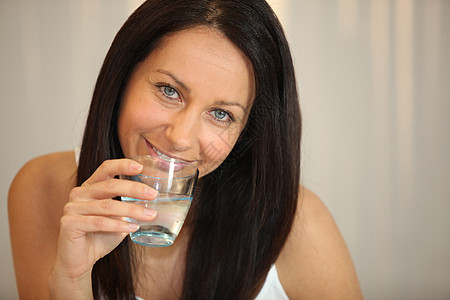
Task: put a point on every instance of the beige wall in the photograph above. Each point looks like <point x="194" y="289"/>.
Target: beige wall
<point x="374" y="85"/>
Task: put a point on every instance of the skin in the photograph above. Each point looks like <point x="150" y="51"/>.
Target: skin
<point x="185" y="111"/>
<point x="189" y="97"/>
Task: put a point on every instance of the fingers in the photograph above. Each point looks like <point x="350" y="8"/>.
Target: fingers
<point x="85" y="224"/>
<point x="103" y="185"/>
<point x="108" y="208"/>
<point x="93" y="224"/>
<point x="102" y="216"/>
<point x="91" y="209"/>
<point x="110" y="168"/>
<point x="111" y="188"/>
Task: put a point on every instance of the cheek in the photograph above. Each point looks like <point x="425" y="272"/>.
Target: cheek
<point x="140" y="114"/>
<point x="135" y="118"/>
<point x="218" y="148"/>
<point x="129" y="119"/>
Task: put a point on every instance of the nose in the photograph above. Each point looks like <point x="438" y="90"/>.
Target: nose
<point x="182" y="131"/>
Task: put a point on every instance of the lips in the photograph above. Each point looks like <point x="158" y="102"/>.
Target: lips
<point x="162" y="155"/>
<point x="157" y="153"/>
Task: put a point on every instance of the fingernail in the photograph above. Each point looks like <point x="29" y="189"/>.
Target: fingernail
<point x="136" y="166"/>
<point x="150" y="192"/>
<point x="149" y="212"/>
<point x="133" y="226"/>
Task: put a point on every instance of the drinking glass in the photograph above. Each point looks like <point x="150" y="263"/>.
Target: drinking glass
<point x="175" y="182"/>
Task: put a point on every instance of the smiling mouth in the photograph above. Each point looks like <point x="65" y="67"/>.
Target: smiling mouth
<point x="162" y="155"/>
<point x="165" y="157"/>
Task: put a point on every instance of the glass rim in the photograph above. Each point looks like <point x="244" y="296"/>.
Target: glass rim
<point x="163" y="178"/>
<point x="172" y="160"/>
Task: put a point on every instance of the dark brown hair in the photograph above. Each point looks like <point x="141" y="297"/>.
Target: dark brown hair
<point x="245" y="209"/>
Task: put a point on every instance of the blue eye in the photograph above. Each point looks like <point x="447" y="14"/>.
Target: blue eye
<point x="170" y="92"/>
<point x="220" y="114"/>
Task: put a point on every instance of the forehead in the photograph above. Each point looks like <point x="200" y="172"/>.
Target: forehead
<point x="205" y="60"/>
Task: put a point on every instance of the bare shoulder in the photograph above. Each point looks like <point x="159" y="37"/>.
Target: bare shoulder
<point x="315" y="262"/>
<point x="36" y="200"/>
<point x="42" y="178"/>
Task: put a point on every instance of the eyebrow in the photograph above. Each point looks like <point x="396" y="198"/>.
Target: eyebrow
<point x="183" y="86"/>
<point x="175" y="79"/>
<point x="226" y="103"/>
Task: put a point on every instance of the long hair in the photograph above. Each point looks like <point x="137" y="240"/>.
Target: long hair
<point x="245" y="209"/>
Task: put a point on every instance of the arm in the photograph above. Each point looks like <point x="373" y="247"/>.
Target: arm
<point x="35" y="204"/>
<point x="315" y="262"/>
<point x="59" y="231"/>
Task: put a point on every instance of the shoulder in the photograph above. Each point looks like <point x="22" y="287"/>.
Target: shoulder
<point x="44" y="176"/>
<point x="41" y="185"/>
<point x="36" y="200"/>
<point x="315" y="262"/>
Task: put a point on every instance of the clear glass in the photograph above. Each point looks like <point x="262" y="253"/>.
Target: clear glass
<point x="175" y="182"/>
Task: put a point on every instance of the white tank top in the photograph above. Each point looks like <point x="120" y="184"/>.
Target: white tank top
<point x="272" y="288"/>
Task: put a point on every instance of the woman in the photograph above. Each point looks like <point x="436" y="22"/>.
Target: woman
<point x="207" y="81"/>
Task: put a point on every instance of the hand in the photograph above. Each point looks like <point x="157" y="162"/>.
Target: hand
<point x="92" y="224"/>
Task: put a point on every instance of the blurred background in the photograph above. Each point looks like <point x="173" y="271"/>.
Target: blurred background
<point x="374" y="81"/>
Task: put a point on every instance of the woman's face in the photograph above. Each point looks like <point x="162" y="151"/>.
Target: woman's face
<point x="189" y="99"/>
